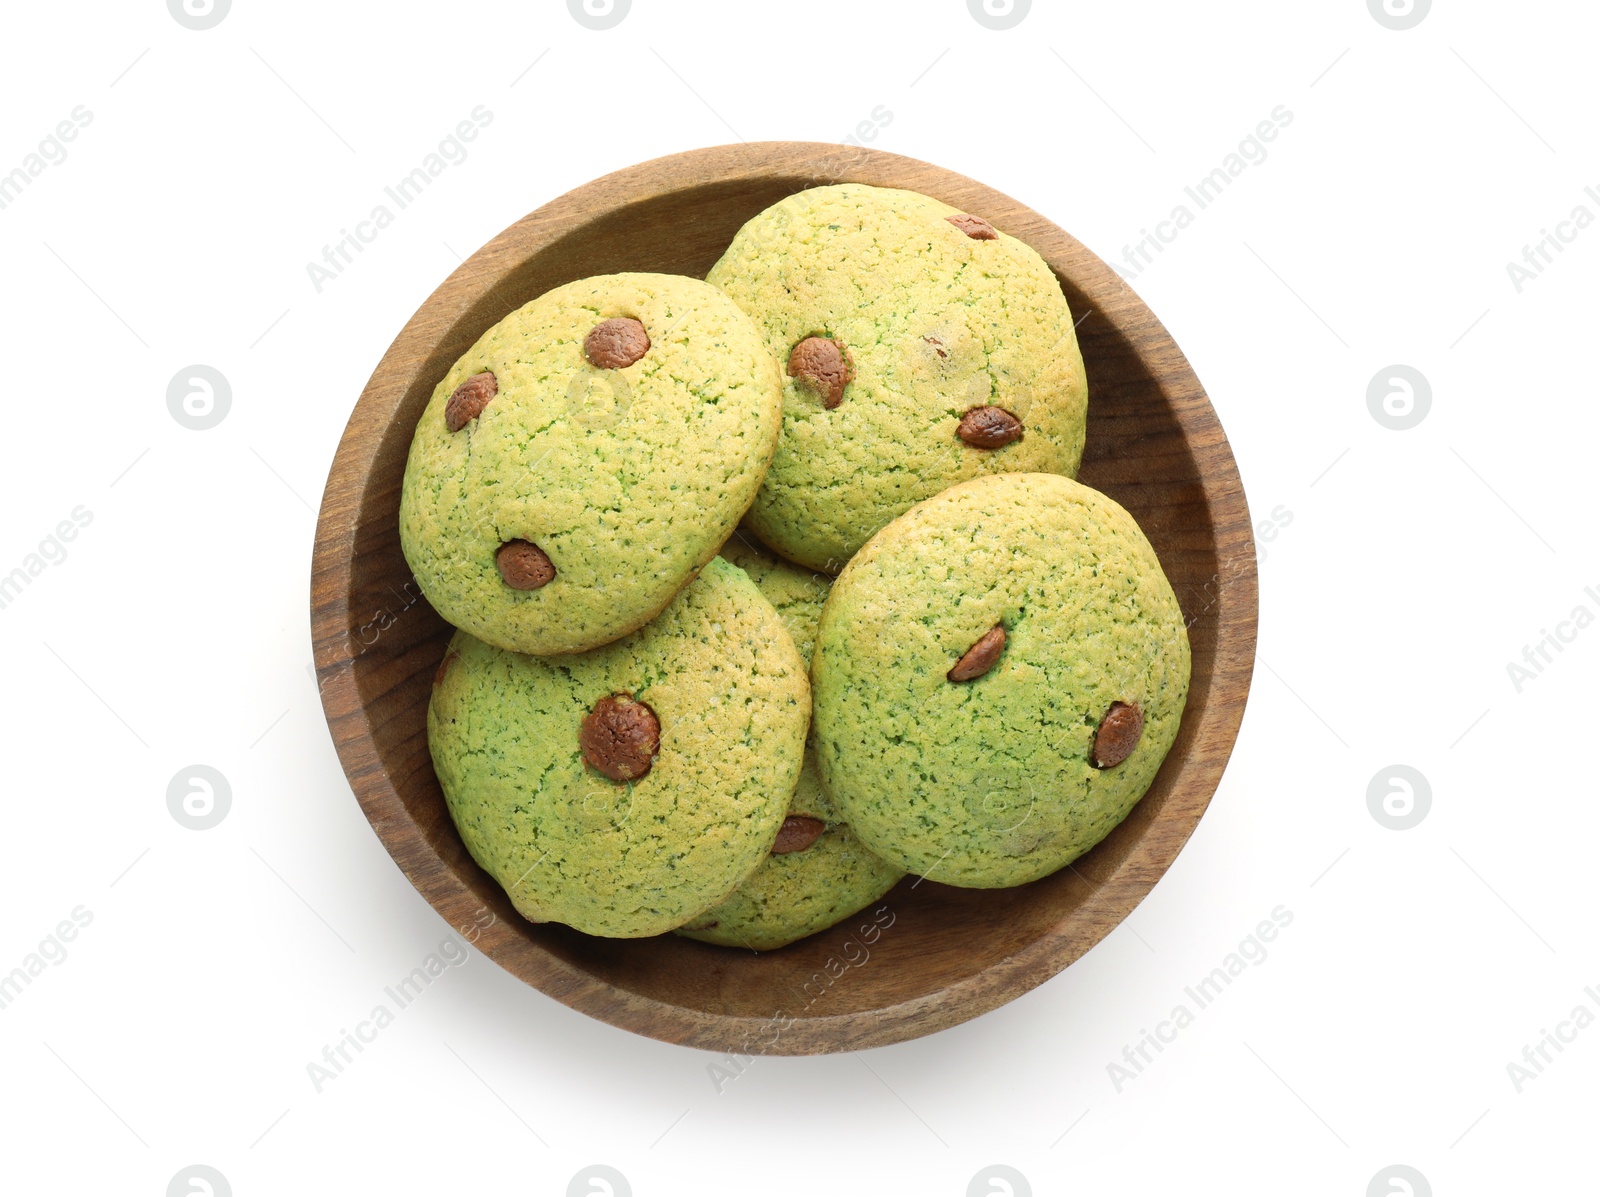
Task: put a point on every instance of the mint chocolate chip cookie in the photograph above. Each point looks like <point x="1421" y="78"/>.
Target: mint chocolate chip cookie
<point x="997" y="677"/>
<point x="579" y="464"/>
<point x="922" y="347"/>
<point x="817" y="872"/>
<point x="625" y="790"/>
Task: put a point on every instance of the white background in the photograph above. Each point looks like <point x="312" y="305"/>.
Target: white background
<point x="1417" y="565"/>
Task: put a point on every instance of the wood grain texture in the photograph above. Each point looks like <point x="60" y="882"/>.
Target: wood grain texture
<point x="1154" y="444"/>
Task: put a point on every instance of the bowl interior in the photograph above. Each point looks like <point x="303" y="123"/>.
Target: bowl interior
<point x="1153" y="445"/>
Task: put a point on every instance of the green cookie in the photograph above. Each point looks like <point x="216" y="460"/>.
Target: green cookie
<point x="527" y="749"/>
<point x="955" y="339"/>
<point x="1008" y="775"/>
<point x="552" y="504"/>
<point x="797" y="893"/>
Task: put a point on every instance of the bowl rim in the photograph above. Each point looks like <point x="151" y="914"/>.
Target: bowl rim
<point x="1234" y="605"/>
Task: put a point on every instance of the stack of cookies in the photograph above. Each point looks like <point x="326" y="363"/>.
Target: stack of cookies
<point x="776" y="587"/>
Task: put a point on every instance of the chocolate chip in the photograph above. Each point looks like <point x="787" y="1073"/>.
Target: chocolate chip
<point x="469" y="399"/>
<point x="989" y="428"/>
<point x="824" y="365"/>
<point x="980" y="658"/>
<point x="797" y="834"/>
<point x="620" y="737"/>
<point x="975" y="227"/>
<point x="938" y="346"/>
<point x="1118" y="735"/>
<point x="444" y="666"/>
<point x="613" y="344"/>
<point x="523" y="565"/>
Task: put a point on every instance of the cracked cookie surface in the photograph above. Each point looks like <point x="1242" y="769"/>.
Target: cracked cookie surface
<point x="727" y="691"/>
<point x="993" y="781"/>
<point x="624" y="477"/>
<point x="936" y="322"/>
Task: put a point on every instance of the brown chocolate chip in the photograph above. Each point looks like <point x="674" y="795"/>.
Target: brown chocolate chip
<point x="797" y="834"/>
<point x="523" y="565"/>
<point x="980" y="658"/>
<point x="975" y="227"/>
<point x="613" y="344"/>
<point x="620" y="737"/>
<point x="989" y="428"/>
<point x="938" y="346"/>
<point x="824" y="365"/>
<point x="444" y="666"/>
<point x="469" y="399"/>
<point x="1118" y="735"/>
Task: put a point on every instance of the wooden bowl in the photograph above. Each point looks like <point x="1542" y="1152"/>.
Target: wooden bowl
<point x="937" y="955"/>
